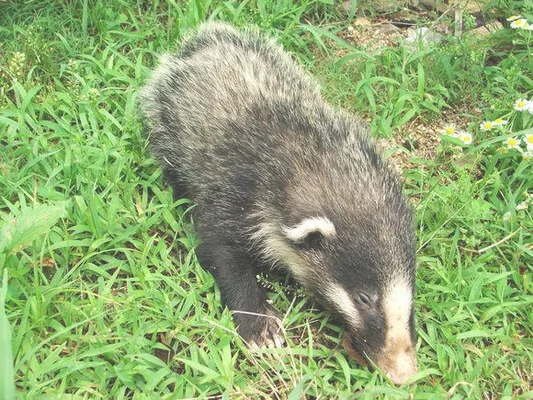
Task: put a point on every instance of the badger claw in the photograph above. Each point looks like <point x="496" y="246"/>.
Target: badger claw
<point x="276" y="340"/>
<point x="261" y="332"/>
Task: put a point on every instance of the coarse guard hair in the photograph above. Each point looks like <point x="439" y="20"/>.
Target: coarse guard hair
<point x="282" y="179"/>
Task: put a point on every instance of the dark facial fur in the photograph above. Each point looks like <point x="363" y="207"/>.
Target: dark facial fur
<point x="282" y="179"/>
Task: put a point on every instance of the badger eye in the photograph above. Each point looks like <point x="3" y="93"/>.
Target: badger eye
<point x="364" y="299"/>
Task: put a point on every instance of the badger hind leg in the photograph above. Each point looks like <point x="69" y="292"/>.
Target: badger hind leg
<point x="235" y="274"/>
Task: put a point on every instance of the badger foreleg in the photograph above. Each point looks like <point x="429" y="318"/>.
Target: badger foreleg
<point x="236" y="277"/>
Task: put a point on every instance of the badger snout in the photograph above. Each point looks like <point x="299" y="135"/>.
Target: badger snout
<point x="384" y="333"/>
<point x="398" y="366"/>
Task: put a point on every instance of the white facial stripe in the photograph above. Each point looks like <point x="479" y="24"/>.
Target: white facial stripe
<point x="309" y="225"/>
<point x="397" y="303"/>
<point x="343" y="303"/>
<point x="399" y="361"/>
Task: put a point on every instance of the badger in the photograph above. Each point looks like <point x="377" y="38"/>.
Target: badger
<point x="281" y="179"/>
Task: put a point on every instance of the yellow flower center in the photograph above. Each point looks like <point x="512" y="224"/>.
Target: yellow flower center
<point x="450" y="130"/>
<point x="529" y="139"/>
<point x="512" y="142"/>
<point x="466" y="138"/>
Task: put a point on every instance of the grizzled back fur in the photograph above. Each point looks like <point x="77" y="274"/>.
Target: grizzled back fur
<point x="281" y="178"/>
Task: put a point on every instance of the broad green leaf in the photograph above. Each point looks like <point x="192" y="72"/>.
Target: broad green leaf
<point x="22" y="229"/>
<point x="7" y="388"/>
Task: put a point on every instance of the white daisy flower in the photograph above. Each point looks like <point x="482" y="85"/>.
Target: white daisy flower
<point x="528" y="140"/>
<point x="514" y="18"/>
<point x="521" y="105"/>
<point x="486" y="126"/>
<point x="450" y="131"/>
<point x="519" y="24"/>
<point x="465" y="137"/>
<point x="513" y="143"/>
<point x="499" y="122"/>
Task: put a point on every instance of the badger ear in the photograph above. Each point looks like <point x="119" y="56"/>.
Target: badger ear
<point x="310" y="231"/>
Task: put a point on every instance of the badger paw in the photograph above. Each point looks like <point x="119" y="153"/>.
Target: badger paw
<point x="260" y="330"/>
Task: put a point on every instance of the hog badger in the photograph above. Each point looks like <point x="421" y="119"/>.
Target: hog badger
<point x="283" y="179"/>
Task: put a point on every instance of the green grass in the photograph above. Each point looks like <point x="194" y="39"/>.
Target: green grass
<point x="101" y="287"/>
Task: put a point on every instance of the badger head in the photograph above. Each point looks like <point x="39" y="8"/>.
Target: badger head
<point x="363" y="270"/>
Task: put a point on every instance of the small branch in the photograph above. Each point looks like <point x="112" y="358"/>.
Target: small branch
<point x="458" y="9"/>
<point x="492" y="245"/>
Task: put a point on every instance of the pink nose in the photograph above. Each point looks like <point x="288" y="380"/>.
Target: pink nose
<point x="400" y="377"/>
<point x="403" y="369"/>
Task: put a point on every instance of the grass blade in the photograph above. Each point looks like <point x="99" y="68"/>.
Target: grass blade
<point x="7" y="387"/>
